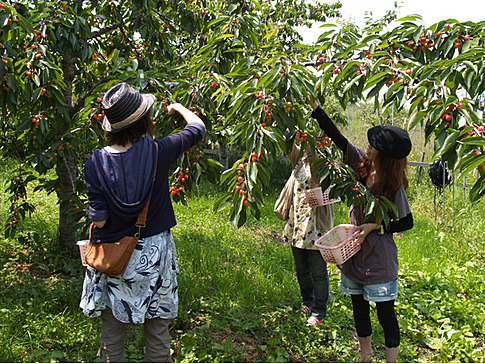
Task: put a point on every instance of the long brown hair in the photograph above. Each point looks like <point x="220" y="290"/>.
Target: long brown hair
<point x="390" y="175"/>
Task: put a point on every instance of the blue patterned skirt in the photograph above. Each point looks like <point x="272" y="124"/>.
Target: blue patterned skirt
<point x="148" y="287"/>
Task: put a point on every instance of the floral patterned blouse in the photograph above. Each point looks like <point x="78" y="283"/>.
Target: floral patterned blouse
<point x="301" y="229"/>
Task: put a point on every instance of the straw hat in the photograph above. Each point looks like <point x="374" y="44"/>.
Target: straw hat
<point x="123" y="106"/>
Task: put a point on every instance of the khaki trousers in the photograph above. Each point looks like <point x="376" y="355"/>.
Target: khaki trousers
<point x="113" y="332"/>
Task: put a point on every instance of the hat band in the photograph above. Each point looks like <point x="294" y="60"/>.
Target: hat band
<point x="133" y="117"/>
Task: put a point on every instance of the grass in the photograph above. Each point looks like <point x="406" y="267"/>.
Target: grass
<point x="238" y="292"/>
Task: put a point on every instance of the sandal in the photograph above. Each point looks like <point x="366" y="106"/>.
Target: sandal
<point x="313" y="321"/>
<point x="304" y="310"/>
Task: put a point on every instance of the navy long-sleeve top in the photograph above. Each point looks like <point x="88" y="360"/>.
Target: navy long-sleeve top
<point x="119" y="185"/>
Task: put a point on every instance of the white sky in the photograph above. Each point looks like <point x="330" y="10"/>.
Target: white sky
<point x="432" y="11"/>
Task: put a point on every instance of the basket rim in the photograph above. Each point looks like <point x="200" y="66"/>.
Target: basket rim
<point x="342" y="243"/>
<point x="314" y="189"/>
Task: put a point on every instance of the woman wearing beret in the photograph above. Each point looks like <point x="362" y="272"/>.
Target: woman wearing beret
<point x="119" y="178"/>
<point x="371" y="274"/>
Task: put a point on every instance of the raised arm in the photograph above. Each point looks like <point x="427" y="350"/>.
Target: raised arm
<point x="328" y="126"/>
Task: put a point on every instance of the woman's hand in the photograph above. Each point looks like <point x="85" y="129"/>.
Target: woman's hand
<point x="312" y="102"/>
<point x="99" y="224"/>
<point x="173" y="108"/>
<point x="364" y="230"/>
<point x="188" y="115"/>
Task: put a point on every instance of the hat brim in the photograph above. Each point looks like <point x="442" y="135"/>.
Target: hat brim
<point x="146" y="104"/>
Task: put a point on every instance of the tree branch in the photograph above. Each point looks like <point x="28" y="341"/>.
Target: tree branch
<point x="106" y="30"/>
<point x="169" y="20"/>
<point x="79" y="104"/>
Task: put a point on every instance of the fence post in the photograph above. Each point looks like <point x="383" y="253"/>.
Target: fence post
<point x="353" y="118"/>
<point x="444" y="186"/>
<point x="348" y="117"/>
<point x="420" y="168"/>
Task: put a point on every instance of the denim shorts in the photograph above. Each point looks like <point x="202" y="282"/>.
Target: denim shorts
<point x="372" y="292"/>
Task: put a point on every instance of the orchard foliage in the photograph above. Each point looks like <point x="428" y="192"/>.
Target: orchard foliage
<point x="435" y="73"/>
<point x="239" y="64"/>
<point x="58" y="59"/>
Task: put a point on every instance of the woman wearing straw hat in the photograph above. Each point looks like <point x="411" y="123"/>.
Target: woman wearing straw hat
<point x="119" y="181"/>
<point x="371" y="274"/>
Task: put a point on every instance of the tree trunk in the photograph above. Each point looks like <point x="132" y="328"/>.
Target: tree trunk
<point x="67" y="173"/>
<point x="224" y="155"/>
<point x="67" y="167"/>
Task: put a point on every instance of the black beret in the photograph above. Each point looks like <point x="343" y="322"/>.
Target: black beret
<point x="390" y="140"/>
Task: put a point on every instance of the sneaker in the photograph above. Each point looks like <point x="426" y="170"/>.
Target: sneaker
<point x="304" y="310"/>
<point x="313" y="321"/>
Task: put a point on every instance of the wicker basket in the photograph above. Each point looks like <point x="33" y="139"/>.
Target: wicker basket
<point x="338" y="244"/>
<point x="83" y="245"/>
<point x="315" y="197"/>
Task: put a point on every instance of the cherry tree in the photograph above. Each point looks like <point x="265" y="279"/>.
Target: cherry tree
<point x="241" y="66"/>
<point x="58" y="58"/>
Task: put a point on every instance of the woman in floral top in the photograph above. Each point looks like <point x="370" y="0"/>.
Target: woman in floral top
<point x="304" y="226"/>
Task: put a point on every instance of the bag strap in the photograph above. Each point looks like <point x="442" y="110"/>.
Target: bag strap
<point x="142" y="218"/>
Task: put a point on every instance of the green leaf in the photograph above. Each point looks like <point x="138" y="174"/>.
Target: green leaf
<point x="433" y="343"/>
<point x="450" y="142"/>
<point x="253" y="172"/>
<point x="222" y="202"/>
<point x="375" y="79"/>
<point x="224" y="36"/>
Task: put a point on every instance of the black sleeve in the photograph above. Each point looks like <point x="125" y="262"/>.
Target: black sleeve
<point x="396" y="226"/>
<point x="330" y="129"/>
